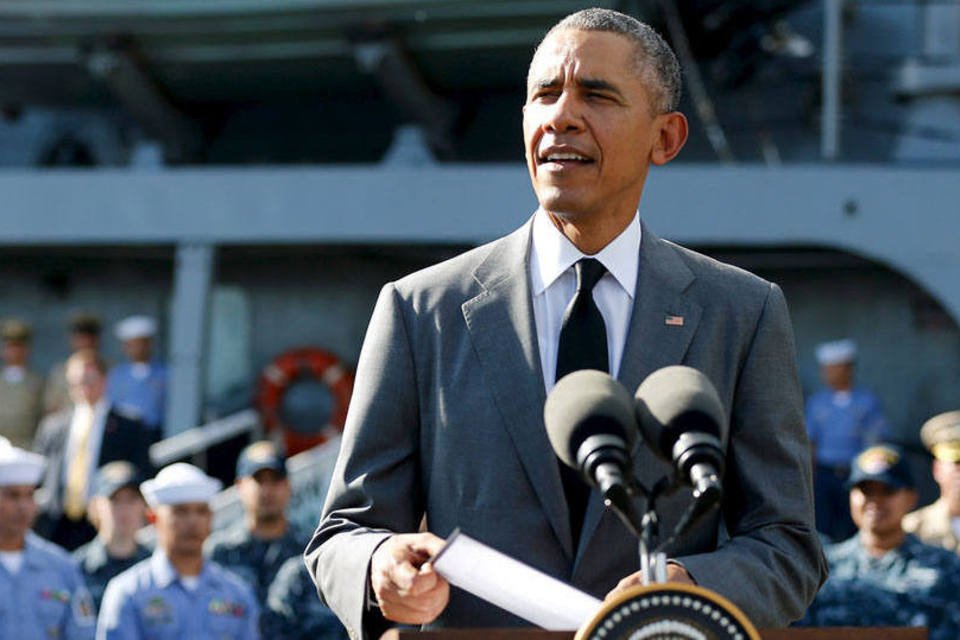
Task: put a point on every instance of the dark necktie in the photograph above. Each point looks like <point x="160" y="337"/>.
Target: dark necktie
<point x="583" y="345"/>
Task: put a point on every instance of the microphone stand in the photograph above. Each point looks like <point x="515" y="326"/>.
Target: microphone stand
<point x="653" y="561"/>
<point x="619" y="498"/>
<point x="653" y="555"/>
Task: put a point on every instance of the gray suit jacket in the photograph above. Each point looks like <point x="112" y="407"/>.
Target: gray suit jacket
<point x="447" y="420"/>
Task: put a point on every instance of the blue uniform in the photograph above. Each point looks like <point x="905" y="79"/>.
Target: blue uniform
<point x="46" y="598"/>
<point x="151" y="602"/>
<point x="840" y="426"/>
<point x="99" y="567"/>
<point x="144" y="396"/>
<point x="254" y="560"/>
<point x="294" y="610"/>
<point x="914" y="585"/>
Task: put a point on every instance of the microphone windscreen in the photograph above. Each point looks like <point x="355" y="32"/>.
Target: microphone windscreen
<point x="586" y="403"/>
<point x="676" y="400"/>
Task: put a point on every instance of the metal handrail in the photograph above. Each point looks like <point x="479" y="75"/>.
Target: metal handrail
<point x="191" y="442"/>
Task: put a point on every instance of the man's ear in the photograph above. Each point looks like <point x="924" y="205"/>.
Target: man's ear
<point x="913" y="499"/>
<point x="672" y="136"/>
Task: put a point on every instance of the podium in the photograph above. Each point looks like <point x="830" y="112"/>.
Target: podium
<point x="823" y="633"/>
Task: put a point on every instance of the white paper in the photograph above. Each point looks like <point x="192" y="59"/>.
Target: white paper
<point x="512" y="585"/>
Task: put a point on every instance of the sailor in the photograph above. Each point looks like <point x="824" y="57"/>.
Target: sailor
<point x="42" y="594"/>
<point x="256" y="547"/>
<point x="139" y="385"/>
<point x="118" y="511"/>
<point x="842" y="419"/>
<point x="939" y="523"/>
<point x="884" y="576"/>
<point x="294" y="612"/>
<point x="21" y="389"/>
<point x="176" y="594"/>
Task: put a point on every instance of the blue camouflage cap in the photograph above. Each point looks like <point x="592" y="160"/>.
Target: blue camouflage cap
<point x="261" y="455"/>
<point x="882" y="463"/>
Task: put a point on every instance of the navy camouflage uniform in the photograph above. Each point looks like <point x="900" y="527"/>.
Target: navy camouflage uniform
<point x="256" y="561"/>
<point x="914" y="585"/>
<point x="294" y="611"/>
<point x="99" y="567"/>
<point x="46" y="598"/>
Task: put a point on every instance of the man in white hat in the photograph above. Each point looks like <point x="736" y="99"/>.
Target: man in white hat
<point x="842" y="420"/>
<point x="140" y="385"/>
<point x="176" y="593"/>
<point x="42" y="593"/>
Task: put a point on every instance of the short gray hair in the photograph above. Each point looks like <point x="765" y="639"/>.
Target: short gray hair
<point x="656" y="62"/>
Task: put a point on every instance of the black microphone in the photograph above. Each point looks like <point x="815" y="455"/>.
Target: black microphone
<point x="680" y="415"/>
<point x="592" y="427"/>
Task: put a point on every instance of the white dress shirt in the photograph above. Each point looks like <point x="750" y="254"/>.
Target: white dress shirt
<point x="554" y="283"/>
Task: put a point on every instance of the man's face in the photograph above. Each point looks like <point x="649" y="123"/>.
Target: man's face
<point x="183" y="528"/>
<point x="17" y="510"/>
<point x="947" y="475"/>
<point x="138" y="349"/>
<point x="837" y="376"/>
<point x="878" y="508"/>
<point x="87" y="383"/>
<point x="15" y="352"/>
<point x="589" y="125"/>
<point x="123" y="513"/>
<point x="265" y="495"/>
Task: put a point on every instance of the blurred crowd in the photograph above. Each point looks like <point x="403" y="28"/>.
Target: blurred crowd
<point x="890" y="563"/>
<point x="244" y="582"/>
<point x="136" y="387"/>
<point x="77" y="487"/>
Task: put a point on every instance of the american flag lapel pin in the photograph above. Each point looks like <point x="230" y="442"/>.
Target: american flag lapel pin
<point x="673" y="321"/>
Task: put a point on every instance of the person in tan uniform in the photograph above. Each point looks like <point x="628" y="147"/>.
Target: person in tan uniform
<point x="939" y="523"/>
<point x="84" y="334"/>
<point x="20" y="388"/>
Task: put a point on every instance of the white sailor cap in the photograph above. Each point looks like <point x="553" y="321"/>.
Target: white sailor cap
<point x="179" y="483"/>
<point x="19" y="467"/>
<point x="836" y="352"/>
<point x="135" y="327"/>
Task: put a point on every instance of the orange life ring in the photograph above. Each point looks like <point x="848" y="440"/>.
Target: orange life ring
<point x="277" y="377"/>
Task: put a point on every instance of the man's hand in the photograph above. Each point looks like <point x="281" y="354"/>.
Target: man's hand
<point x="407" y="588"/>
<point x="675" y="573"/>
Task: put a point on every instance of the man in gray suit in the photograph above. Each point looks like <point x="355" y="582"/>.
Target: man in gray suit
<point x="446" y="423"/>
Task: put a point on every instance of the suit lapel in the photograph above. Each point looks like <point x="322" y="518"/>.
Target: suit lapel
<point x="662" y="325"/>
<point x="502" y="328"/>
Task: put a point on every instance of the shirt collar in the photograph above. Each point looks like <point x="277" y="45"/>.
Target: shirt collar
<point x="140" y="370"/>
<point x="31" y="551"/>
<point x="96" y="554"/>
<point x="552" y="254"/>
<point x="98" y="409"/>
<point x="164" y="574"/>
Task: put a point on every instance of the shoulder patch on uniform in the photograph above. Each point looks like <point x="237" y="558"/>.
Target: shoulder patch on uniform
<point x="157" y="612"/>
